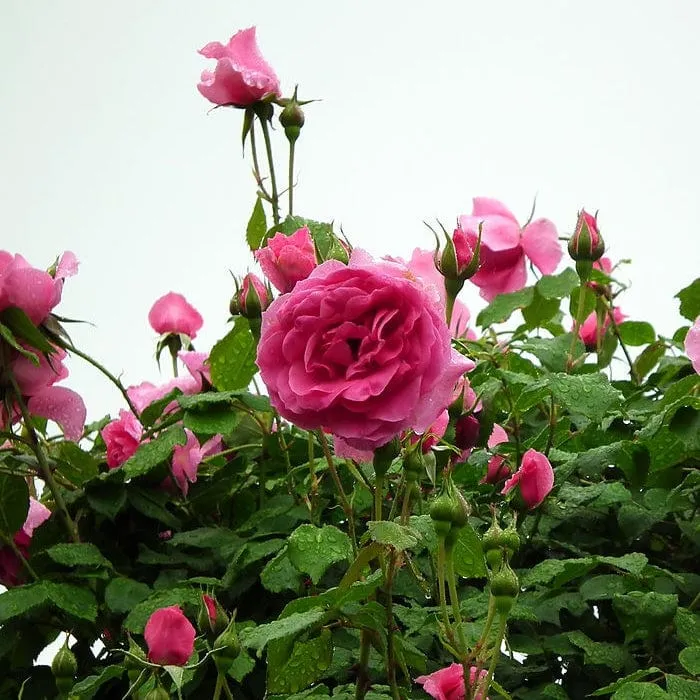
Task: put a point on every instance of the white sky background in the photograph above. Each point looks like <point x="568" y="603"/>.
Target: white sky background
<point x="106" y="147"/>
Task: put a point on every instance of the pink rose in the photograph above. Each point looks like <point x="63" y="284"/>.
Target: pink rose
<point x="56" y="403"/>
<point x="467" y="430"/>
<point x="586" y="243"/>
<point x="122" y="438"/>
<point x="497" y="469"/>
<point x="448" y="683"/>
<point x="505" y="247"/>
<point x="10" y="564"/>
<point x="432" y="435"/>
<point x="34" y="291"/>
<point x="169" y="636"/>
<point x="692" y="344"/>
<point x="286" y="260"/>
<point x="144" y="394"/>
<point x="172" y="313"/>
<point x="188" y="457"/>
<point x="590" y="330"/>
<point x="241" y="76"/>
<point x="210" y="605"/>
<point x="535" y="478"/>
<point x="361" y="350"/>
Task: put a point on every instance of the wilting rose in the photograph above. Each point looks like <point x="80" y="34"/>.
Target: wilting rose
<point x="242" y="76"/>
<point x="122" y="438"/>
<point x="535" y="477"/>
<point x="692" y="345"/>
<point x="188" y="457"/>
<point x="172" y="313"/>
<point x="505" y="247"/>
<point x="361" y="350"/>
<point x="448" y="683"/>
<point x="169" y="636"/>
<point x="286" y="260"/>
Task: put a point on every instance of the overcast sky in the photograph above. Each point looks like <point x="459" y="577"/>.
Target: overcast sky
<point x="107" y="148"/>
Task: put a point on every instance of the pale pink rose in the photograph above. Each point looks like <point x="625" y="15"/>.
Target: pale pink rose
<point x="32" y="378"/>
<point x="448" y="683"/>
<point x="32" y="290"/>
<point x="590" y="329"/>
<point x="497" y="469"/>
<point x="360" y="350"/>
<point x="172" y="313"/>
<point x="692" y="345"/>
<point x="144" y="394"/>
<point x="11" y="567"/>
<point x="122" y="438"/>
<point x="188" y="457"/>
<point x="535" y="477"/>
<point x="505" y="247"/>
<point x="242" y="76"/>
<point x="169" y="637"/>
<point x="286" y="260"/>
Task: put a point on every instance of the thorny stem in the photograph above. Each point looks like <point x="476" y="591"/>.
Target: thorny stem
<point x="441" y="585"/>
<point x="378" y="496"/>
<point x="347" y="508"/>
<point x="256" y="167"/>
<point x="274" y="199"/>
<point x="552" y="425"/>
<point x="616" y="331"/>
<point x="577" y="325"/>
<point x="406" y="505"/>
<point x="516" y="423"/>
<point x="495" y="654"/>
<point x="43" y="462"/>
<point x="219" y="687"/>
<point x="314" y="478"/>
<point x="10" y="542"/>
<point x="390" y="650"/>
<point x="362" y="682"/>
<point x="484" y="633"/>
<point x="454" y="599"/>
<point x="174" y="359"/>
<point x="292" y="145"/>
<point x="104" y="371"/>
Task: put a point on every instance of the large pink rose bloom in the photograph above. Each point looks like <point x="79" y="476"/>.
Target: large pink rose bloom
<point x="172" y="313"/>
<point x="692" y="344"/>
<point x="505" y="247"/>
<point x="242" y="76"/>
<point x="448" y="683"/>
<point x="122" y="438"/>
<point x="361" y="350"/>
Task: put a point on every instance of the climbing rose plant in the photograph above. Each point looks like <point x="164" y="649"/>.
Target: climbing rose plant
<point x="357" y="492"/>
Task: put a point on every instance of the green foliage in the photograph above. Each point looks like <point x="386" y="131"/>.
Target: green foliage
<point x="232" y="359"/>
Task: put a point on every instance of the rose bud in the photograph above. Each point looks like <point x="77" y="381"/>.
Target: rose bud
<point x="286" y="260"/>
<point x="586" y="244"/>
<point x="64" y="667"/>
<point x="467" y="431"/>
<point x="504" y="588"/>
<point x="169" y="636"/>
<point x="292" y="118"/>
<point x="252" y="298"/>
<point x="535" y="477"/>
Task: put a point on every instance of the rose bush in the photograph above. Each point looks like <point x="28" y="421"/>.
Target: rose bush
<point x="397" y="501"/>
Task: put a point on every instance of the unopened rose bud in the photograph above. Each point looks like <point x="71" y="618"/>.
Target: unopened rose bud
<point x="64" y="667"/>
<point x="292" y="119"/>
<point x="211" y="618"/>
<point x="158" y="693"/>
<point x="413" y="465"/>
<point x="227" y="646"/>
<point x="252" y="298"/>
<point x="384" y="456"/>
<point x="586" y="244"/>
<point x="505" y="587"/>
<point x="467" y="432"/>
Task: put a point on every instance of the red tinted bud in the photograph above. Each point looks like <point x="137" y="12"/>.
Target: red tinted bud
<point x="467" y="432"/>
<point x="586" y="244"/>
<point x="252" y="298"/>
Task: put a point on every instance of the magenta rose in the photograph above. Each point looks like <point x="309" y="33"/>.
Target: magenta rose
<point x="692" y="344"/>
<point x="448" y="683"/>
<point x="122" y="438"/>
<point x="505" y="247"/>
<point x="286" y="260"/>
<point x="535" y="477"/>
<point x="361" y="350"/>
<point x="169" y="636"/>
<point x="172" y="313"/>
<point x="242" y="76"/>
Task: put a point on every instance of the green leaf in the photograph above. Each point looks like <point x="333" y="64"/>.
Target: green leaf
<point x="468" y="554"/>
<point x="258" y="637"/>
<point x="557" y="571"/>
<point x="205" y="538"/>
<point x="603" y="587"/>
<point x="280" y="574"/>
<point x="75" y="600"/>
<point x="86" y="688"/>
<point x="589" y="395"/>
<point x="553" y="353"/>
<point x="78" y="466"/>
<point x="257" y="226"/>
<point x="540" y="310"/>
<point x="558" y="286"/>
<point x="155" y="409"/>
<point x="392" y="534"/>
<point x="687" y="626"/>
<point x="637" y="675"/>
<point x="21" y="600"/>
<point x="589" y="302"/>
<point x="290" y="673"/>
<point x="681" y="689"/>
<point x="242" y="665"/>
<point x="313" y="549"/>
<point x="599" y="653"/>
<point x="22" y="327"/>
<point x="217" y="419"/>
<point x="208" y="399"/>
<point x="690" y="659"/>
<point x="151" y="454"/>
<point x="636" y="332"/>
<point x="504" y="305"/>
<point x="124" y="594"/>
<point x="644" y="615"/>
<point x="14" y="504"/>
<point x="7" y="335"/>
<point x="648" y="358"/>
<point x="232" y="359"/>
<point x="153" y="504"/>
<point x="690" y="300"/>
<point x="639" y="691"/>
<point x="78" y="554"/>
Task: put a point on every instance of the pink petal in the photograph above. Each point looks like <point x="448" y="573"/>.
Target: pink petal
<point x="62" y="406"/>
<point x="497" y="232"/>
<point x="486" y="206"/>
<point x="67" y="266"/>
<point x="541" y="245"/>
<point x="692" y="344"/>
<point x="38" y="514"/>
